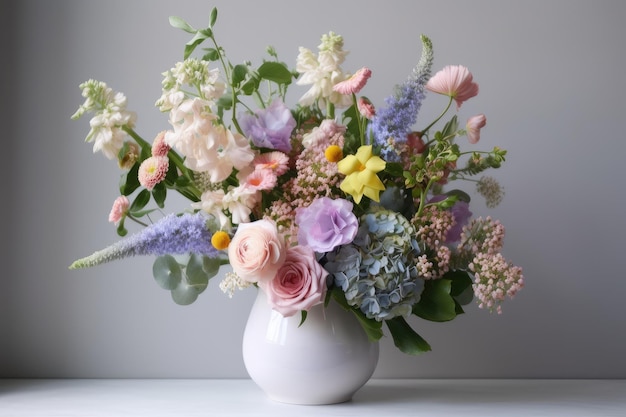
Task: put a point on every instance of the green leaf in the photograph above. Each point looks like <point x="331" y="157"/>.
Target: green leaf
<point x="239" y="74"/>
<point x="167" y="272"/>
<point x="211" y="54"/>
<point x="213" y="17"/>
<point x="211" y="266"/>
<point x="372" y="328"/>
<point x="140" y="201"/>
<point x="461" y="289"/>
<point x="276" y="72"/>
<point x="180" y="23"/>
<point x="159" y="193"/>
<point x="436" y="303"/>
<point x="197" y="39"/>
<point x="129" y="182"/>
<point x="450" y="128"/>
<point x="303" y="317"/>
<point x="460" y="195"/>
<point x="405" y="338"/>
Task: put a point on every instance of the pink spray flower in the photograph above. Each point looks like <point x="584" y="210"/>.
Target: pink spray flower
<point x="159" y="147"/>
<point x="119" y="209"/>
<point x="261" y="179"/>
<point x="355" y="83"/>
<point x="275" y="161"/>
<point x="454" y="81"/>
<point x="473" y="126"/>
<point x="153" y="170"/>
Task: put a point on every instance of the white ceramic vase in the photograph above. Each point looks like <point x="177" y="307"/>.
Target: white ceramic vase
<point x="324" y="361"/>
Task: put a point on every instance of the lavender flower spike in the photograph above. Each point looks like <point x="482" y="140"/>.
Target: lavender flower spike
<point x="172" y="234"/>
<point x="391" y="125"/>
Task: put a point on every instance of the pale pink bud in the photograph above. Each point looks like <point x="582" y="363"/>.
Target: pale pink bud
<point x="366" y="108"/>
<point x="119" y="209"/>
<point x="473" y="126"/>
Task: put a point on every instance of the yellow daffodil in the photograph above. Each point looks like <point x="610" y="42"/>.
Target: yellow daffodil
<point x="360" y="171"/>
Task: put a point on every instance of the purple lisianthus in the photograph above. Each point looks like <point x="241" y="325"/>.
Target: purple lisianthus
<point x="326" y="224"/>
<point x="270" y="127"/>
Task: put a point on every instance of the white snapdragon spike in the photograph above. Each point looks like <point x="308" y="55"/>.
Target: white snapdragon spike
<point x="196" y="75"/>
<point x="110" y="116"/>
<point x="323" y="72"/>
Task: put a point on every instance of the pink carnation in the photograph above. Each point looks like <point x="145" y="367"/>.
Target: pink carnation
<point x="300" y="283"/>
<point x="119" y="209"/>
<point x="153" y="170"/>
<point x="454" y="81"/>
<point x="355" y="83"/>
<point x="473" y="126"/>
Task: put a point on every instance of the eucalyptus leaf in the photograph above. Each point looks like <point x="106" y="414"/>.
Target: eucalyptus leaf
<point x="184" y="294"/>
<point x="196" y="275"/>
<point x="167" y="272"/>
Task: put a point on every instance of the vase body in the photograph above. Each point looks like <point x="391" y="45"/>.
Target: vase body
<point x="323" y="361"/>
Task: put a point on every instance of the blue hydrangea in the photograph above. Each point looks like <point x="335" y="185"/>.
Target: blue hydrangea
<point x="377" y="271"/>
<point x="172" y="235"/>
<point x="391" y="125"/>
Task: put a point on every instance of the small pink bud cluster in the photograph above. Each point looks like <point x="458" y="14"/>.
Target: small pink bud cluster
<point x="494" y="280"/>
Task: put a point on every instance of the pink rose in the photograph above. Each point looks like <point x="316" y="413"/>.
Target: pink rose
<point x="256" y="251"/>
<point x="299" y="284"/>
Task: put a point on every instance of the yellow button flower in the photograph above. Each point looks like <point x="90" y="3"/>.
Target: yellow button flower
<point x="360" y="171"/>
<point x="220" y="240"/>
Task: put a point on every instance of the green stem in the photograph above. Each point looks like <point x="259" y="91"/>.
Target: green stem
<point x="438" y="118"/>
<point x="358" y="120"/>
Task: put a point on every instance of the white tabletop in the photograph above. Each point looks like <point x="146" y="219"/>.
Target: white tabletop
<point x="382" y="397"/>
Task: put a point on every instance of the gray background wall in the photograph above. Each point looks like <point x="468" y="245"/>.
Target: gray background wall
<point x="552" y="84"/>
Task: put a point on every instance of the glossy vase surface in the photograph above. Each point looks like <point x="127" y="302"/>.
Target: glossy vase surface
<point x="323" y="361"/>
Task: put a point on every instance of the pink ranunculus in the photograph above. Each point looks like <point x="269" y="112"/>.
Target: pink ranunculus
<point x="299" y="284"/>
<point x="326" y="224"/>
<point x="119" y="209"/>
<point x="454" y="81"/>
<point x="473" y="126"/>
<point x="257" y="251"/>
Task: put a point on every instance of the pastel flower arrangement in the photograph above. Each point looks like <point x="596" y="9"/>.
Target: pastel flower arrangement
<point x="332" y="200"/>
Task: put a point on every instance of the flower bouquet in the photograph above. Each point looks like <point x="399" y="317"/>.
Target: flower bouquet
<point x="333" y="200"/>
